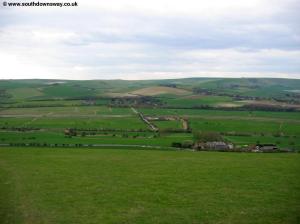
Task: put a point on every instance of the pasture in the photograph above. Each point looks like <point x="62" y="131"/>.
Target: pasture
<point x="168" y="124"/>
<point x="238" y="127"/>
<point x="74" y="122"/>
<point x="70" y="111"/>
<point x="40" y="185"/>
<point x="221" y="113"/>
<point x="116" y="151"/>
<point x="244" y="126"/>
<point x="100" y="138"/>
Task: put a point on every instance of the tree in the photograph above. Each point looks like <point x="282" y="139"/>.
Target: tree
<point x="176" y="144"/>
<point x="187" y="144"/>
<point x="205" y="136"/>
<point x="70" y="132"/>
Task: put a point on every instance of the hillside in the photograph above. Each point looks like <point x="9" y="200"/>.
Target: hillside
<point x="189" y="92"/>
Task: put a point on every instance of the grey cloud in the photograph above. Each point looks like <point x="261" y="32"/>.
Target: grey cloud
<point x="121" y="42"/>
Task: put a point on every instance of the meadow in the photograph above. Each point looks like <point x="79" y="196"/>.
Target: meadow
<point x="74" y="122"/>
<point x="102" y="138"/>
<point x="115" y="151"/>
<point x="242" y="126"/>
<point x="165" y="125"/>
<point x="103" y="124"/>
<point x="221" y="113"/>
<point x="40" y="185"/>
<point x="66" y="110"/>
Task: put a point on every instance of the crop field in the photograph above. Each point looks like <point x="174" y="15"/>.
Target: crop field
<point x="194" y="100"/>
<point x="158" y="90"/>
<point x="40" y="185"/>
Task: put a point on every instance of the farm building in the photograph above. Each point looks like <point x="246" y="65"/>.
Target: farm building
<point x="266" y="147"/>
<point x="216" y="146"/>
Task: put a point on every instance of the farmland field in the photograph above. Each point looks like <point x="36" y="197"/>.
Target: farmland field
<point x="74" y="122"/>
<point x="234" y="125"/>
<point x="157" y="90"/>
<point x="150" y="112"/>
<point x="52" y="121"/>
<point x="221" y="113"/>
<point x="173" y="124"/>
<point x="40" y="185"/>
<point x="103" y="138"/>
<point x="71" y="110"/>
<point x="120" y="151"/>
<point x="281" y="128"/>
<point x="200" y="100"/>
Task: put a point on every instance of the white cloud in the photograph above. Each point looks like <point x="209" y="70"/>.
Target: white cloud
<point x="151" y="39"/>
<point x="50" y="36"/>
<point x="196" y="7"/>
<point x="13" y="67"/>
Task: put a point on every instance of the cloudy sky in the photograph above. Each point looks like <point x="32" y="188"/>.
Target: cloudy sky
<point x="142" y="39"/>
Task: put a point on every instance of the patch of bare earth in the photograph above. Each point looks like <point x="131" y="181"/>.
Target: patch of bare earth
<point x="229" y="105"/>
<point x="158" y="90"/>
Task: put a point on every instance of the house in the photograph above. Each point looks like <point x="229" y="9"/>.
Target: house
<point x="266" y="147"/>
<point x="215" y="146"/>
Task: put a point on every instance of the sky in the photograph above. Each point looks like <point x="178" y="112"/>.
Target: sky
<point x="157" y="39"/>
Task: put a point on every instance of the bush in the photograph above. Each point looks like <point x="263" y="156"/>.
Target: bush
<point x="203" y="136"/>
<point x="176" y="144"/>
<point x="187" y="144"/>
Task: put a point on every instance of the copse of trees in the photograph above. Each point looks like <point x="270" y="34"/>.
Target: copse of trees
<point x="70" y="132"/>
<point x="199" y="137"/>
<point x="207" y="136"/>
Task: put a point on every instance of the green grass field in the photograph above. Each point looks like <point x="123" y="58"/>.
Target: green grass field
<point x="280" y="128"/>
<point x="69" y="110"/>
<point x="25" y="93"/>
<point x="222" y="113"/>
<point x="283" y="142"/>
<point x="113" y="166"/>
<point x="172" y="124"/>
<point x="40" y="185"/>
<point x="244" y="126"/>
<point x="58" y="137"/>
<point x="75" y="122"/>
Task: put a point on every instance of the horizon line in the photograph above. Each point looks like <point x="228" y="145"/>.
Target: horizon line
<point x="191" y="77"/>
